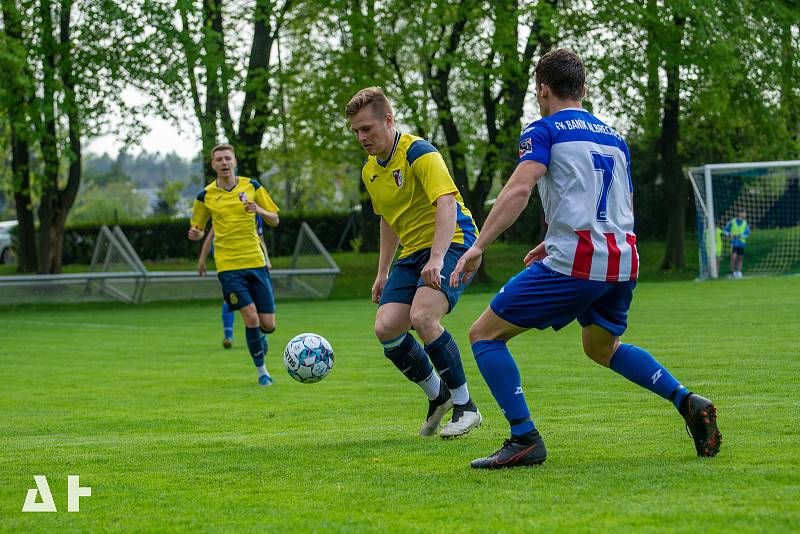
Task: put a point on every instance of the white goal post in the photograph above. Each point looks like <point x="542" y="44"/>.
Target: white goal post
<point x="117" y="273"/>
<point x="769" y="193"/>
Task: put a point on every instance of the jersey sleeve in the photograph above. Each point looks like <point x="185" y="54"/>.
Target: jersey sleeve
<point x="364" y="179"/>
<point x="263" y="199"/>
<point x="200" y="213"/>
<point x="429" y="168"/>
<point x="535" y="142"/>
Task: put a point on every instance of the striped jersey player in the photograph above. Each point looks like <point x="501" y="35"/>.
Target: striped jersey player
<point x="585" y="269"/>
<point x="587" y="195"/>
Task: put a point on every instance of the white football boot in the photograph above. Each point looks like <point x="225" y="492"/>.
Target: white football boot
<point x="437" y="409"/>
<point x="465" y="418"/>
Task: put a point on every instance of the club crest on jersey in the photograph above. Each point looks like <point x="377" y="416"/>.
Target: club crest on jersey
<point x="398" y="177"/>
<point x="525" y="147"/>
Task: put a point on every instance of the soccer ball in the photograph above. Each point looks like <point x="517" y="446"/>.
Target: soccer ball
<point x="308" y="358"/>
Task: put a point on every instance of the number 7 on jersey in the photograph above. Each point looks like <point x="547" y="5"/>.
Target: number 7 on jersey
<point x="604" y="166"/>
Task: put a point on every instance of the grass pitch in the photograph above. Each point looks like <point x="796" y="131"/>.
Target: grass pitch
<point x="173" y="434"/>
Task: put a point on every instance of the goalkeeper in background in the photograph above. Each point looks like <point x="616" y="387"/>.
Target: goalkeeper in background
<point x="738" y="230"/>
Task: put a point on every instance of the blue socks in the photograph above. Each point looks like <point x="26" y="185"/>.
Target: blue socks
<point x="501" y="374"/>
<point x="227" y="321"/>
<point x="408" y="356"/>
<point x="256" y="344"/>
<point x="639" y="366"/>
<point x="447" y="360"/>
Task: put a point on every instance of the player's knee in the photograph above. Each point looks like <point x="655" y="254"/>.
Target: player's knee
<point x="385" y="331"/>
<point x="423" y="318"/>
<point x="599" y="354"/>
<point x="476" y="333"/>
<point x="268" y="326"/>
<point x="251" y="319"/>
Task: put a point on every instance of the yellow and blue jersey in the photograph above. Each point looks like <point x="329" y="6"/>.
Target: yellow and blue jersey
<point x="236" y="241"/>
<point x="404" y="188"/>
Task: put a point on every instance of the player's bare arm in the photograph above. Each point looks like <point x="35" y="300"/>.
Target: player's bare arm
<point x="195" y="233"/>
<point x="204" y="250"/>
<point x="508" y="207"/>
<point x="270" y="217"/>
<point x="388" y="246"/>
<point x="442" y="237"/>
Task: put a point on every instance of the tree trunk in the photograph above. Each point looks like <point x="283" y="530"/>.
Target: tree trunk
<point x="19" y="129"/>
<point x="255" y="109"/>
<point x="48" y="140"/>
<point x="27" y="261"/>
<point x="675" y="182"/>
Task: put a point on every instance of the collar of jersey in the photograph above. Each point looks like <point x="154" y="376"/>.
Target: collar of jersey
<point x="571" y="109"/>
<point x="391" y="154"/>
<point x="216" y="183"/>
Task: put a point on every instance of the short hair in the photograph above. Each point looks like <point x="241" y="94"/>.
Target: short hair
<point x="563" y="71"/>
<point x="220" y="148"/>
<point x="369" y="96"/>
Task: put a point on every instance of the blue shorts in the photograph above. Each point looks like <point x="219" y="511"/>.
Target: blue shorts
<point x="241" y="287"/>
<point x="404" y="278"/>
<point x="539" y="297"/>
<point x="737" y="248"/>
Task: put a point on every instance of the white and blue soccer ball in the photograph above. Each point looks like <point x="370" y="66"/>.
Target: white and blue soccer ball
<point x="308" y="358"/>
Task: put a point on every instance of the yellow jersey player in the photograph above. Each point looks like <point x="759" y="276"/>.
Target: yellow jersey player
<point x="422" y="211"/>
<point x="232" y="203"/>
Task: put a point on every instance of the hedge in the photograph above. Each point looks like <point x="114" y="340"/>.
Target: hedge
<point x="162" y="238"/>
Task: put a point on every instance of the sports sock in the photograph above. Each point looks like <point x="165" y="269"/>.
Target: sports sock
<point x="409" y="357"/>
<point x="227" y="321"/>
<point x="501" y="374"/>
<point x="639" y="366"/>
<point x="446" y="358"/>
<point x="255" y="345"/>
<point x="431" y="385"/>
<point x="262" y="370"/>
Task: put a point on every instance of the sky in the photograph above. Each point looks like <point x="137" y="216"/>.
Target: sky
<point x="164" y="136"/>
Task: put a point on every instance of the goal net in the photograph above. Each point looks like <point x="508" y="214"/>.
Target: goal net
<point x="113" y="253"/>
<point x="768" y="193"/>
<point x="117" y="273"/>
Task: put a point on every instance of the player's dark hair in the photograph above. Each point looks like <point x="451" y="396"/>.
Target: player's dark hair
<point x="369" y="96"/>
<point x="220" y="148"/>
<point x="563" y="71"/>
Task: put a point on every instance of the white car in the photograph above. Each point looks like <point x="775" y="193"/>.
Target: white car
<point x="6" y="256"/>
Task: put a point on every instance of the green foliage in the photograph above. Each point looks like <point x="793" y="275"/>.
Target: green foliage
<point x="159" y="238"/>
<point x="115" y="201"/>
<point x="168" y="198"/>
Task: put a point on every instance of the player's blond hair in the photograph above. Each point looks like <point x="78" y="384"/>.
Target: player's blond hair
<point x="220" y="148"/>
<point x="369" y="96"/>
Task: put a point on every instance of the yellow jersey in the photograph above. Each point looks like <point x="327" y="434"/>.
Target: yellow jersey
<point x="236" y="241"/>
<point x="404" y="188"/>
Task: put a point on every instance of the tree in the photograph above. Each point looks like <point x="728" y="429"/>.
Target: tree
<point x="109" y="204"/>
<point x="16" y="102"/>
<point x="69" y="69"/>
<point x="201" y="68"/>
<point x="681" y="73"/>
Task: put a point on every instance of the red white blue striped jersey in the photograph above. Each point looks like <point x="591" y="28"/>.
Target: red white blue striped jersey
<point x="587" y="195"/>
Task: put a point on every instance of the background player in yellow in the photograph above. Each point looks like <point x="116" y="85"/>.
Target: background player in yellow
<point x="422" y="211"/>
<point x="232" y="202"/>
